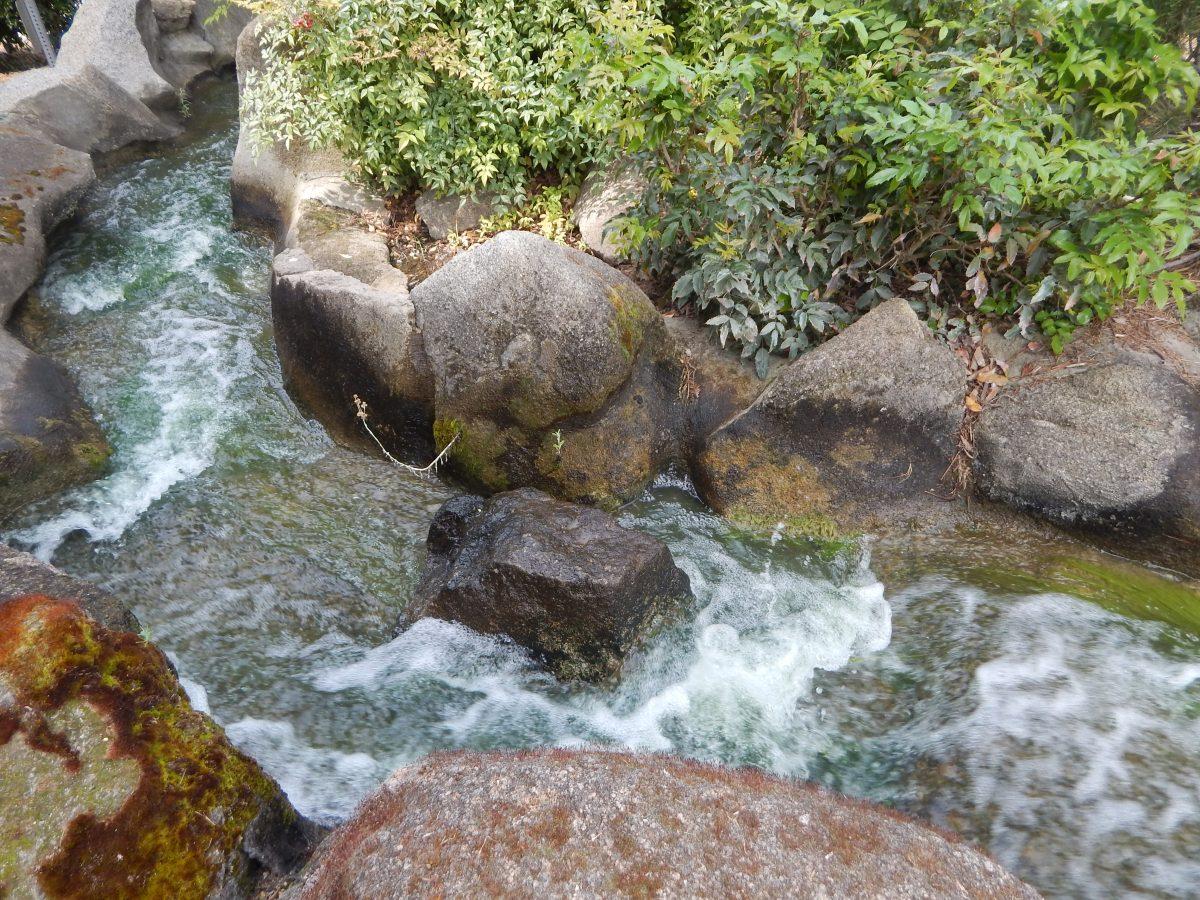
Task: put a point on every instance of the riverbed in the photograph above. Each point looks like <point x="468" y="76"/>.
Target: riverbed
<point x="272" y="566"/>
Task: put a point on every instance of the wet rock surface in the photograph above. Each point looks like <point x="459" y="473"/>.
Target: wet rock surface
<point x="111" y="784"/>
<point x="853" y="436"/>
<point x="48" y="438"/>
<point x="339" y="338"/>
<point x="559" y="823"/>
<point x="22" y="574"/>
<point x="569" y="583"/>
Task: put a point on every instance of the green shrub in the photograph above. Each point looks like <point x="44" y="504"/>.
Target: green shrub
<point x="811" y="159"/>
<point x="57" y="15"/>
<point x="457" y="96"/>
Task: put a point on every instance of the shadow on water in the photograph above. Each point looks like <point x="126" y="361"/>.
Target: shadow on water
<point x="1041" y="701"/>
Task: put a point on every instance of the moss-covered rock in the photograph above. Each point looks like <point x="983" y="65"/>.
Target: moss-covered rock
<point x="48" y="438"/>
<point x="554" y="369"/>
<point x="112" y="785"/>
<point x="852" y="437"/>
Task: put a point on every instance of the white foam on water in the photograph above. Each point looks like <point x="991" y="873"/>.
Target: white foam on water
<point x="1082" y="749"/>
<point x="731" y="687"/>
<point x="323" y="784"/>
<point x="196" y="694"/>
<point x="192" y="365"/>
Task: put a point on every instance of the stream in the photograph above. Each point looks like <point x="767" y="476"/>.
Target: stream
<point x="272" y="565"/>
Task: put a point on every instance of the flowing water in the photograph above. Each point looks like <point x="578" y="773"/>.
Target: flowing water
<point x="272" y="565"/>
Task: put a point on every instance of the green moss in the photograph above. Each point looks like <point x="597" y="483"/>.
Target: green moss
<point x="629" y="326"/>
<point x="12" y="224"/>
<point x="762" y="490"/>
<point x="92" y="455"/>
<point x="1125" y="588"/>
<point x="196" y="794"/>
<point x="476" y="455"/>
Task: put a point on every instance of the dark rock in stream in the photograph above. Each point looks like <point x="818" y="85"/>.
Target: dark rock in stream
<point x="567" y="582"/>
<point x="48" y="439"/>
<point x="111" y="785"/>
<point x="22" y="574"/>
<point x="567" y="823"/>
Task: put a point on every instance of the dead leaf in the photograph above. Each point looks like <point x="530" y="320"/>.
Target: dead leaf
<point x="973" y="405"/>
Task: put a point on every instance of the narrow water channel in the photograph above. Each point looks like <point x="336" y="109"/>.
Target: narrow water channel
<point x="271" y="565"/>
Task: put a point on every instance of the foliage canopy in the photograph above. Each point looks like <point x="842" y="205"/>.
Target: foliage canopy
<point x="807" y="160"/>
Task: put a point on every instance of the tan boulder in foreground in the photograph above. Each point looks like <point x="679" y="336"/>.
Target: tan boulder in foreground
<point x="556" y="823"/>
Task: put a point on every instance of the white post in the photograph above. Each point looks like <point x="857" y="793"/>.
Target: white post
<point x="35" y="30"/>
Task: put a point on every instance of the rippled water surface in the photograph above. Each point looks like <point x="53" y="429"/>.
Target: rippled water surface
<point x="272" y="566"/>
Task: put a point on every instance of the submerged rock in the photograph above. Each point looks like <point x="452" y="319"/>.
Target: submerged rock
<point x="562" y="823"/>
<point x="569" y="583"/>
<point x="553" y="369"/>
<point x="852" y="436"/>
<point x="111" y="785"/>
<point x="48" y="438"/>
<point x="1113" y="440"/>
<point x="22" y="574"/>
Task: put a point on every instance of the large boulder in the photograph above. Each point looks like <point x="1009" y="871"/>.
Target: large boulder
<point x="40" y="184"/>
<point x="1110" y="441"/>
<point x="22" y="574"/>
<point x="111" y="784"/>
<point x="853" y="436"/>
<point x="550" y="370"/>
<point x="81" y="108"/>
<point x="339" y="339"/>
<point x="560" y="823"/>
<point x="120" y="38"/>
<point x="48" y="438"/>
<point x="606" y="195"/>
<point x="222" y="31"/>
<point x="567" y="582"/>
<point x="266" y="177"/>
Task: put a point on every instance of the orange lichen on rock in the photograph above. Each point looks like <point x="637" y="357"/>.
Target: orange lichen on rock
<point x="181" y="830"/>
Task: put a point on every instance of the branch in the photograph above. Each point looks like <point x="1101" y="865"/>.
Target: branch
<point x="361" y="406"/>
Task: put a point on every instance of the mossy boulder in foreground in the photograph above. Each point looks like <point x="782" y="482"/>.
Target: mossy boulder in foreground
<point x="853" y="436"/>
<point x="559" y="823"/>
<point x="111" y="785"/>
<point x="569" y="583"/>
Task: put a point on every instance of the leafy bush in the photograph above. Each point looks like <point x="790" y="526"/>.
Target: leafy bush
<point x="57" y="15"/>
<point x="811" y="159"/>
<point x="460" y="96"/>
